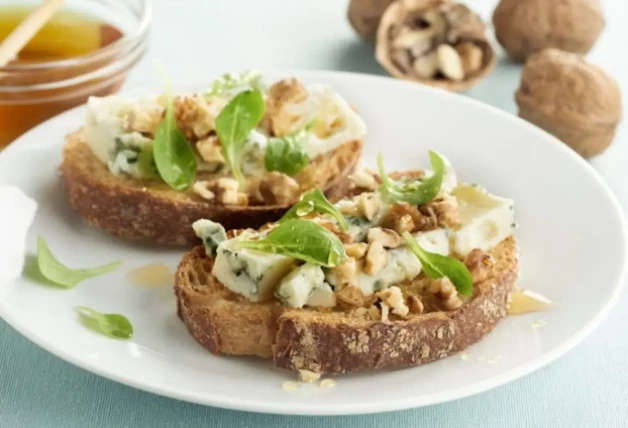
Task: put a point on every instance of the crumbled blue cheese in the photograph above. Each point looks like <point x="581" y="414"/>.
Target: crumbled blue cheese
<point x="253" y="274"/>
<point x="107" y="119"/>
<point x="485" y="219"/>
<point x="125" y="156"/>
<point x="305" y="285"/>
<point x="211" y="233"/>
<point x="354" y="212"/>
<point x="253" y="155"/>
<point x="336" y="122"/>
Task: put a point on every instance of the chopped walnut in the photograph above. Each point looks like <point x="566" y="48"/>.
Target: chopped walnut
<point x="344" y="237"/>
<point x="144" y="119"/>
<point x="285" y="92"/>
<point x="479" y="264"/>
<point x="201" y="188"/>
<point x="278" y="188"/>
<point x="357" y="250"/>
<point x="350" y="295"/>
<point x="195" y="116"/>
<point x="387" y="237"/>
<point x="393" y="298"/>
<point x="441" y="212"/>
<point x="344" y="273"/>
<point x="385" y="312"/>
<point x="364" y="178"/>
<point x="368" y="205"/>
<point x="226" y="190"/>
<point x="376" y="258"/>
<point x="209" y="150"/>
<point x="415" y="304"/>
<point x="403" y="217"/>
<point x="447" y="293"/>
<point x="374" y="313"/>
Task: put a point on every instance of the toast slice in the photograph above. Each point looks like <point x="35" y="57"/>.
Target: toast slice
<point x="335" y="341"/>
<point x="361" y="333"/>
<point x="149" y="210"/>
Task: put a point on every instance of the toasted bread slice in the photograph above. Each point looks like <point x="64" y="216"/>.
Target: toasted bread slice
<point x="149" y="210"/>
<point x="333" y="340"/>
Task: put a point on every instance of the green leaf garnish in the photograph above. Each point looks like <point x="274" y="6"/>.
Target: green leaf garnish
<point x="234" y="124"/>
<point x="287" y="154"/>
<point x="112" y="325"/>
<point x="437" y="266"/>
<point x="417" y="192"/>
<point x="229" y="81"/>
<point x="315" y="201"/>
<point x="303" y="240"/>
<point x="54" y="271"/>
<point x="174" y="156"/>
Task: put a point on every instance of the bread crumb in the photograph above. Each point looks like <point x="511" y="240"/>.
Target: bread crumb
<point x="538" y="324"/>
<point x="495" y="359"/>
<point x="328" y="383"/>
<point x="290" y="385"/>
<point x="465" y="356"/>
<point x="309" y="376"/>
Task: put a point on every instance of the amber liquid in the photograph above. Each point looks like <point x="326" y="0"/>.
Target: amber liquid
<point x="66" y="35"/>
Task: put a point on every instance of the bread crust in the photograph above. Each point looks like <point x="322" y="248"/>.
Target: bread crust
<point x="148" y="210"/>
<point x="335" y="342"/>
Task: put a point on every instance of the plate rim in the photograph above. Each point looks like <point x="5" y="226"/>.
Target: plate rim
<point x="216" y="400"/>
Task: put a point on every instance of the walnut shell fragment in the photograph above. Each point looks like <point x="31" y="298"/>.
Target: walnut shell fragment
<point x="577" y="102"/>
<point x="523" y="27"/>
<point x="436" y="42"/>
<point x="364" y="17"/>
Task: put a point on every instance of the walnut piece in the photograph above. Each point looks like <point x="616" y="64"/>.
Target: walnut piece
<point x="393" y="298"/>
<point x="356" y="250"/>
<point x="415" y="304"/>
<point x="376" y="258"/>
<point x="210" y="150"/>
<point x="344" y="273"/>
<point x="350" y="295"/>
<point x="445" y="290"/>
<point x="388" y="238"/>
<point x="437" y="42"/>
<point x="227" y="191"/>
<point x="479" y="264"/>
<point x="524" y="27"/>
<point x="201" y="188"/>
<point x="278" y="188"/>
<point x="195" y="116"/>
<point x="368" y="205"/>
<point x="285" y="92"/>
<point x="575" y="101"/>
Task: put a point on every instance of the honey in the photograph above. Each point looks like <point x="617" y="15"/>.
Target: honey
<point x="526" y="301"/>
<point x="153" y="275"/>
<point x="38" y="83"/>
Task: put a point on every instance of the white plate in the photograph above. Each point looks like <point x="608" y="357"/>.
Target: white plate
<point x="573" y="249"/>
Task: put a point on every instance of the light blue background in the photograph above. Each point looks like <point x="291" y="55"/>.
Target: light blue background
<point x="199" y="39"/>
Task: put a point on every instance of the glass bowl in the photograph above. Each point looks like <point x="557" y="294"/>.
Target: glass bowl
<point x="33" y="92"/>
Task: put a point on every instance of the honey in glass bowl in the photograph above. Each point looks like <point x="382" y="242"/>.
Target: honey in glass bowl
<point x="86" y="49"/>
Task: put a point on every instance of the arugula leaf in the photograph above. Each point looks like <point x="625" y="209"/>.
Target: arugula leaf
<point x="234" y="124"/>
<point x="303" y="240"/>
<point x="315" y="201"/>
<point x="174" y="156"/>
<point x="229" y="81"/>
<point x="417" y="192"/>
<point x="287" y="154"/>
<point x="112" y="325"/>
<point x="437" y="266"/>
<point x="54" y="271"/>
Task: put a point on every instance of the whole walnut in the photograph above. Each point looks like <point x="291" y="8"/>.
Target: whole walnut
<point x="364" y="17"/>
<point x="523" y="27"/>
<point x="577" y="102"/>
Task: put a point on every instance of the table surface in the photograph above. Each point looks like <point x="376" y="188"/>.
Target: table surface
<point x="586" y="388"/>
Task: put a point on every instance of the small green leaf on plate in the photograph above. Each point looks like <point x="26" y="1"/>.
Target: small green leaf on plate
<point x="53" y="270"/>
<point x="112" y="325"/>
<point x="437" y="266"/>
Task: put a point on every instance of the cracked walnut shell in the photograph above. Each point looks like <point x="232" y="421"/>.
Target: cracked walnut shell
<point x="364" y="17"/>
<point x="436" y="42"/>
<point x="523" y="27"/>
<point x="577" y="102"/>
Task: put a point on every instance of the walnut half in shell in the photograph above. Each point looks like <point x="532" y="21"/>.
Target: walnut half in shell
<point x="436" y="42"/>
